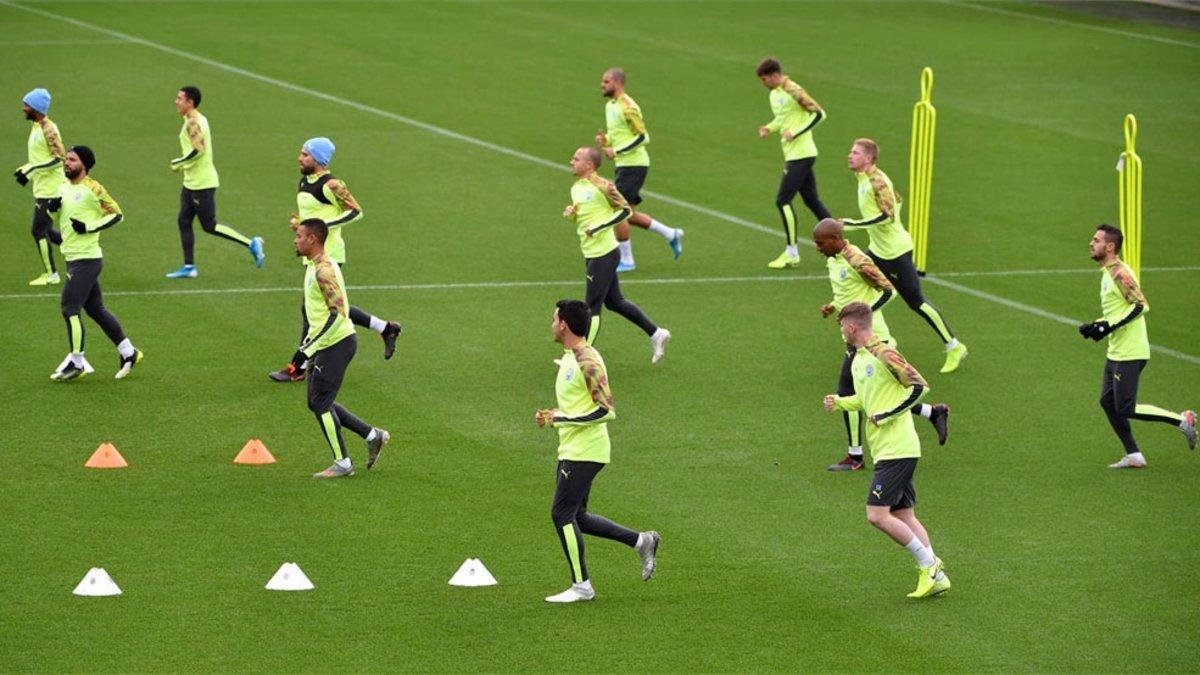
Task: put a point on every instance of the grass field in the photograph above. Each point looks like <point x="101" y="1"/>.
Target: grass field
<point x="452" y="120"/>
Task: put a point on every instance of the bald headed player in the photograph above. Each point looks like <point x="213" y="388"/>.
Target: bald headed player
<point x="46" y="154"/>
<point x="596" y="208"/>
<point x="625" y="143"/>
<point x="855" y="277"/>
<point x="890" y="244"/>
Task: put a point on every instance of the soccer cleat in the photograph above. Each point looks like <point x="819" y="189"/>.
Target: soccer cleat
<point x="659" y="340"/>
<point x="576" y="593"/>
<point x="1188" y="427"/>
<point x="127" y="364"/>
<point x="374" y="447"/>
<point x="848" y="463"/>
<point x="256" y="250"/>
<point x="46" y="279"/>
<point x="941" y="421"/>
<point x="954" y="357"/>
<point x="647" y="548"/>
<point x="622" y="267"/>
<point x="68" y="372"/>
<point x="335" y="471"/>
<point x="288" y="374"/>
<point x="1133" y="460"/>
<point x="677" y="243"/>
<point x="931" y="581"/>
<point x="389" y="335"/>
<point x="185" y="272"/>
<point x="784" y="261"/>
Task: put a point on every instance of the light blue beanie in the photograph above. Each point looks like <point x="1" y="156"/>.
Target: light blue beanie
<point x="321" y="149"/>
<point x="38" y="99"/>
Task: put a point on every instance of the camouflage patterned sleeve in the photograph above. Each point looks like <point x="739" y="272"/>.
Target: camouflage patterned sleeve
<point x="870" y="272"/>
<point x="108" y="207"/>
<point x="610" y="192"/>
<point x="351" y="211"/>
<point x="633" y="117"/>
<point x="885" y="196"/>
<point x="331" y="290"/>
<point x="797" y="92"/>
<point x="902" y="370"/>
<point x="595" y="376"/>
<point x="195" y="135"/>
<point x="53" y="140"/>
<point x="1130" y="290"/>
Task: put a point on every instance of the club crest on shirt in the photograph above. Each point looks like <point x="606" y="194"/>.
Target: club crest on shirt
<point x="870" y="370"/>
<point x="569" y="375"/>
<point x="844" y="273"/>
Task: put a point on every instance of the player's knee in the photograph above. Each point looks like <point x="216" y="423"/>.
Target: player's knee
<point x="1125" y="408"/>
<point x="319" y="405"/>
<point x="1107" y="403"/>
<point x="209" y="224"/>
<point x="877" y="516"/>
<point x="915" y="301"/>
<point x="560" y="516"/>
<point x="782" y="200"/>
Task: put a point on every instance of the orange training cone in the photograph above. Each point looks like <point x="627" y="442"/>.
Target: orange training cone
<point x="106" y="457"/>
<point x="254" y="452"/>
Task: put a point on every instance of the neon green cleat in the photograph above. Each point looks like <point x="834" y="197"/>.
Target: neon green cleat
<point x="931" y="581"/>
<point x="47" y="279"/>
<point x="954" y="357"/>
<point x="784" y="261"/>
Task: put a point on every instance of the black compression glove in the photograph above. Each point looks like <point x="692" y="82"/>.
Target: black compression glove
<point x="78" y="225"/>
<point x="22" y="179"/>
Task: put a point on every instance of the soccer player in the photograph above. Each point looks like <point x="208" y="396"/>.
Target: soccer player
<point x="796" y="114"/>
<point x="625" y="143"/>
<point x="585" y="407"/>
<point x="891" y="246"/>
<point x="328" y="347"/>
<point x="86" y="210"/>
<point x="46" y="152"/>
<point x="596" y="208"/>
<point x="323" y="196"/>
<point x="198" y="198"/>
<point x="854" y="276"/>
<point x="1124" y="325"/>
<point x="887" y="388"/>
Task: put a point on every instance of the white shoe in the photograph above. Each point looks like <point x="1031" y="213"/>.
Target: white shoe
<point x="576" y="593"/>
<point x="659" y="340"/>
<point x="1132" y="461"/>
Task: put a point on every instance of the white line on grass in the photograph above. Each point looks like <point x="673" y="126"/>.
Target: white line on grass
<point x="1075" y="24"/>
<point x="55" y="43"/>
<point x="471" y="140"/>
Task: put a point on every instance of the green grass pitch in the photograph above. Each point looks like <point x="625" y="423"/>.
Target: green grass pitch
<point x="767" y="563"/>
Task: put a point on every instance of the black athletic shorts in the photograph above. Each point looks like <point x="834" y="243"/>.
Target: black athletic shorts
<point x="629" y="181"/>
<point x="892" y="484"/>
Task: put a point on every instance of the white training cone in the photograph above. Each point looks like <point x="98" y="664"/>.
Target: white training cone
<point x="289" y="578"/>
<point x="97" y="583"/>
<point x="473" y="573"/>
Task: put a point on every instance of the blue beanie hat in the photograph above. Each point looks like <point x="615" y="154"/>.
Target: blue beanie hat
<point x="321" y="149"/>
<point x="38" y="99"/>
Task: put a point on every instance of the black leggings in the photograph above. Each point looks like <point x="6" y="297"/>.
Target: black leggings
<point x="903" y="275"/>
<point x="82" y="292"/>
<point x="1118" y="398"/>
<point x="604" y="290"/>
<point x="571" y="518"/>
<point x="43" y="227"/>
<point x="201" y="204"/>
<point x="798" y="177"/>
<point x="326" y="371"/>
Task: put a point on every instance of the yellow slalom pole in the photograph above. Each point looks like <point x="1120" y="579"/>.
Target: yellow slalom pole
<point x="920" y="169"/>
<point x="1129" y="198"/>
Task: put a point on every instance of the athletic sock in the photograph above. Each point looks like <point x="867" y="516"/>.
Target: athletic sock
<point x="793" y="251"/>
<point x="343" y="462"/>
<point x="626" y="251"/>
<point x="77" y="359"/>
<point x="378" y="325"/>
<point x="855" y="451"/>
<point x="951" y="344"/>
<point x="371" y="436"/>
<point x="925" y="411"/>
<point x="661" y="230"/>
<point x="125" y="349"/>
<point x="923" y="555"/>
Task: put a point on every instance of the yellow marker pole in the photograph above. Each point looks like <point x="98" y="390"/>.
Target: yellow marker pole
<point x="920" y="169"/>
<point x="1129" y="198"/>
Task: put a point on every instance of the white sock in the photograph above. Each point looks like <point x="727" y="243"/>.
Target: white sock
<point x="626" y="251"/>
<point x="125" y="348"/>
<point x="1137" y="455"/>
<point x="923" y="555"/>
<point x="77" y="359"/>
<point x="659" y="334"/>
<point x="344" y="462"/>
<point x="855" y="451"/>
<point x="641" y="536"/>
<point x="926" y="411"/>
<point x="374" y="433"/>
<point x="793" y="251"/>
<point x="661" y="230"/>
<point x="586" y="584"/>
<point x="378" y="325"/>
<point x="951" y="344"/>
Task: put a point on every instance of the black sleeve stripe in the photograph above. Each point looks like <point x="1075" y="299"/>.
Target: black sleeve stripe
<point x="820" y="115"/>
<point x="116" y="218"/>
<point x="909" y="402"/>
<point x="616" y="220"/>
<point x="186" y="157"/>
<point x="596" y="414"/>
<point x="351" y="215"/>
<point x="636" y="142"/>
<point x="1133" y="314"/>
<point x="333" y="315"/>
<point x="883" y="300"/>
<point x="874" y="221"/>
<point x="46" y="165"/>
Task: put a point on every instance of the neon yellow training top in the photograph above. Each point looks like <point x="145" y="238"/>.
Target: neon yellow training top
<point x="886" y="388"/>
<point x="585" y="406"/>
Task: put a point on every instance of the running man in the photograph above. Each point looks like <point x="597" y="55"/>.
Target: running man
<point x="1124" y="325"/>
<point x="796" y="114"/>
<point x="887" y="388"/>
<point x="625" y="143"/>
<point x="328" y="348"/>
<point x="585" y="407"/>
<point x="855" y="277"/>
<point x="323" y="196"/>
<point x="198" y="197"/>
<point x="86" y="210"/>
<point x="891" y="246"/>
<point x="596" y="208"/>
<point x="46" y="153"/>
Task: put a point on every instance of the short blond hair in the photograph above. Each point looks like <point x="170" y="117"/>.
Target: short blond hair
<point x="857" y="312"/>
<point x="869" y="146"/>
